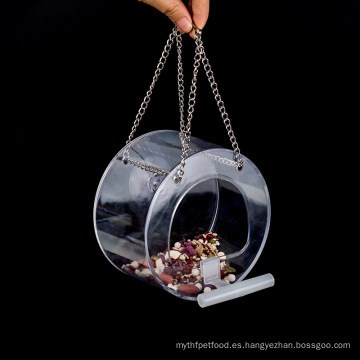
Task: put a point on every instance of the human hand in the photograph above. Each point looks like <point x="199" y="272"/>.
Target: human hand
<point x="195" y="15"/>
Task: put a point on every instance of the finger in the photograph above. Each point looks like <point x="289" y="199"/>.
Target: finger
<point x="175" y="10"/>
<point x="199" y="10"/>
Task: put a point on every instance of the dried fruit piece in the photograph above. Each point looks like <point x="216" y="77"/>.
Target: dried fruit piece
<point x="145" y="263"/>
<point x="211" y="247"/>
<point x="229" y="269"/>
<point x="199" y="249"/>
<point x="154" y="257"/>
<point x="159" y="266"/>
<point x="168" y="270"/>
<point x="189" y="289"/>
<point x="166" y="279"/>
<point x="178" y="276"/>
<point x="198" y="285"/>
<point x="188" y="250"/>
<point x="211" y="286"/>
<point x="223" y="273"/>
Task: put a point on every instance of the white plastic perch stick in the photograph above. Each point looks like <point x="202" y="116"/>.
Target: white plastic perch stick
<point x="238" y="289"/>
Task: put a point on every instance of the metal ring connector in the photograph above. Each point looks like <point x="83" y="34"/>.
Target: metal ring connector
<point x="197" y="30"/>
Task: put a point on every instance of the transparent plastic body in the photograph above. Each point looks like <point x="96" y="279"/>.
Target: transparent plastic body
<point x="140" y="216"/>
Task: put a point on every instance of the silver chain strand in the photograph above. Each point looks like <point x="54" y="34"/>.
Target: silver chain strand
<point x="181" y="88"/>
<point x="225" y="116"/>
<point x="175" y="34"/>
<point x="186" y="130"/>
<point x="149" y="168"/>
<point x="147" y="98"/>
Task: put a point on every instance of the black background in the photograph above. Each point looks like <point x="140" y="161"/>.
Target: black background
<point x="73" y="76"/>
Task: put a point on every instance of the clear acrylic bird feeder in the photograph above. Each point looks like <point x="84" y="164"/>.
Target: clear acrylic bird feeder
<point x="183" y="214"/>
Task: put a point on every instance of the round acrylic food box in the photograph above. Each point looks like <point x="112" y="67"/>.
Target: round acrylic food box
<point x="190" y="238"/>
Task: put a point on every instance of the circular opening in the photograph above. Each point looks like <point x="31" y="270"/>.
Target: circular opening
<point x="214" y="205"/>
<point x="210" y="219"/>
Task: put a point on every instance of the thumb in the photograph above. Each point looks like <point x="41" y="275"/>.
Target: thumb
<point x="175" y="10"/>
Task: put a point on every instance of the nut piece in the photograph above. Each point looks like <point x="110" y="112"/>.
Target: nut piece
<point x="199" y="249"/>
<point x="159" y="266"/>
<point x="135" y="264"/>
<point x="174" y="287"/>
<point x="173" y="254"/>
<point x="231" y="277"/>
<point x="207" y="289"/>
<point x="166" y="279"/>
<point x="199" y="286"/>
<point x="195" y="272"/>
<point x="177" y="245"/>
<point x="145" y="273"/>
<point x="145" y="263"/>
<point x="189" y="289"/>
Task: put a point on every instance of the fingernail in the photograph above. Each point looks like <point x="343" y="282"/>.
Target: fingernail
<point x="184" y="25"/>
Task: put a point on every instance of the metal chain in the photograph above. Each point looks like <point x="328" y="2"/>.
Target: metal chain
<point x="225" y="116"/>
<point x="175" y="34"/>
<point x="180" y="78"/>
<point x="144" y="104"/>
<point x="146" y="167"/>
<point x="185" y="131"/>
